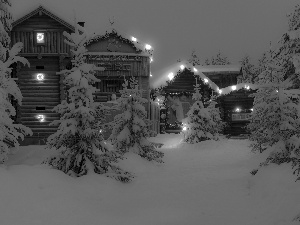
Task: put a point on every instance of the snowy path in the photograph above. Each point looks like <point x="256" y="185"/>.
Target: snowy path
<point x="207" y="183"/>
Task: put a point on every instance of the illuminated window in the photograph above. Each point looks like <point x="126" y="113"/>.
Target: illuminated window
<point x="40" y="77"/>
<point x="40" y="38"/>
<point x="41" y="118"/>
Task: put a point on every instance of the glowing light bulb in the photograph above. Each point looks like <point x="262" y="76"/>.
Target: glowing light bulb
<point x="133" y="39"/>
<point x="233" y="87"/>
<point x="184" y="128"/>
<point x="182" y="67"/>
<point x="171" y="76"/>
<point x="205" y="80"/>
<point x="220" y="91"/>
<point x="150" y="75"/>
<point x="251" y="109"/>
<point x="237" y="109"/>
<point x="195" y="69"/>
<point x="40" y="76"/>
<point x="247" y="87"/>
<point x="148" y="47"/>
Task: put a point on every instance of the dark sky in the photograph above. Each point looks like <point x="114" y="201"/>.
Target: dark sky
<point x="176" y="27"/>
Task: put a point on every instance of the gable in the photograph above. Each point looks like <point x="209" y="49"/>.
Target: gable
<point x="111" y="42"/>
<point x="41" y="19"/>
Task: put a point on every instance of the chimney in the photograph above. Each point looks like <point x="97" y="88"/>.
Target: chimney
<point x="81" y="24"/>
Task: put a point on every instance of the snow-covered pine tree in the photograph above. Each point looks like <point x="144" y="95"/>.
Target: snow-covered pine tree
<point x="9" y="132"/>
<point x="130" y="131"/>
<point x="199" y="124"/>
<point x="6" y="19"/>
<point x="194" y="59"/>
<point x="275" y="118"/>
<point x="249" y="71"/>
<point x="219" y="59"/>
<point x="214" y="112"/>
<point x="79" y="139"/>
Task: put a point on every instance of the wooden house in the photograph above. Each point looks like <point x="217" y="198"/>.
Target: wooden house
<point x="41" y="32"/>
<point x="235" y="106"/>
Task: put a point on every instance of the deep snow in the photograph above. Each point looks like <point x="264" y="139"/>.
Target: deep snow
<point x="207" y="183"/>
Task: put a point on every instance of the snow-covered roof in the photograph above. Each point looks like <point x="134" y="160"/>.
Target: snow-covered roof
<point x="111" y="29"/>
<point x="219" y="68"/>
<point x="47" y="12"/>
<point x="200" y="71"/>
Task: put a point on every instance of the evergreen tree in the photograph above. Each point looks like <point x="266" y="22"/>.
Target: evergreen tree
<point x="78" y="138"/>
<point x="249" y="71"/>
<point x="199" y="124"/>
<point x="275" y="118"/>
<point x="219" y="59"/>
<point x="218" y="124"/>
<point x="194" y="59"/>
<point x="130" y="130"/>
<point x="9" y="132"/>
<point x="6" y="19"/>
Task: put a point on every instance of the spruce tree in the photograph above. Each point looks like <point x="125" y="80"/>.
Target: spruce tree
<point x="249" y="71"/>
<point x="214" y="112"/>
<point x="199" y="124"/>
<point x="275" y="118"/>
<point x="9" y="131"/>
<point x="219" y="59"/>
<point x="130" y="131"/>
<point x="79" y="139"/>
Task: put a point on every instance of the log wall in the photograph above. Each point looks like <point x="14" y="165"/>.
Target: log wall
<point x="54" y="42"/>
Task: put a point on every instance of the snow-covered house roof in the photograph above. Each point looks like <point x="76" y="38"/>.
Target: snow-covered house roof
<point x="219" y="68"/>
<point x="203" y="72"/>
<point x="142" y="49"/>
<point x="42" y="9"/>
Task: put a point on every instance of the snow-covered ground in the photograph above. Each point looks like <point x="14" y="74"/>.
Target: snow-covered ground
<point x="207" y="183"/>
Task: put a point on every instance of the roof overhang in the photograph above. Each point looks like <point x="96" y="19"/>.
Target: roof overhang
<point x="42" y="9"/>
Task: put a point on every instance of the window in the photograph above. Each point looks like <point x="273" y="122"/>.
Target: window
<point x="40" y="37"/>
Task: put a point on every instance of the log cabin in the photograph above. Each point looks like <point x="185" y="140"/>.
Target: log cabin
<point x="41" y="32"/>
<point x="235" y="105"/>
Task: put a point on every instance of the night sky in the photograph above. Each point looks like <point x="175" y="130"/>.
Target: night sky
<point x="176" y="27"/>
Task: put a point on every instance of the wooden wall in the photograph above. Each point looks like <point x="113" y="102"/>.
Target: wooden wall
<point x="54" y="42"/>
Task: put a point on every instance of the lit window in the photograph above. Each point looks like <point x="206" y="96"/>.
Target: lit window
<point x="41" y="118"/>
<point x="40" y="38"/>
<point x="237" y="110"/>
<point x="40" y="77"/>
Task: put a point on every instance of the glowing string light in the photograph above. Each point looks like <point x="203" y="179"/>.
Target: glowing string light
<point x="171" y="76"/>
<point x="148" y="47"/>
<point x="133" y="39"/>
